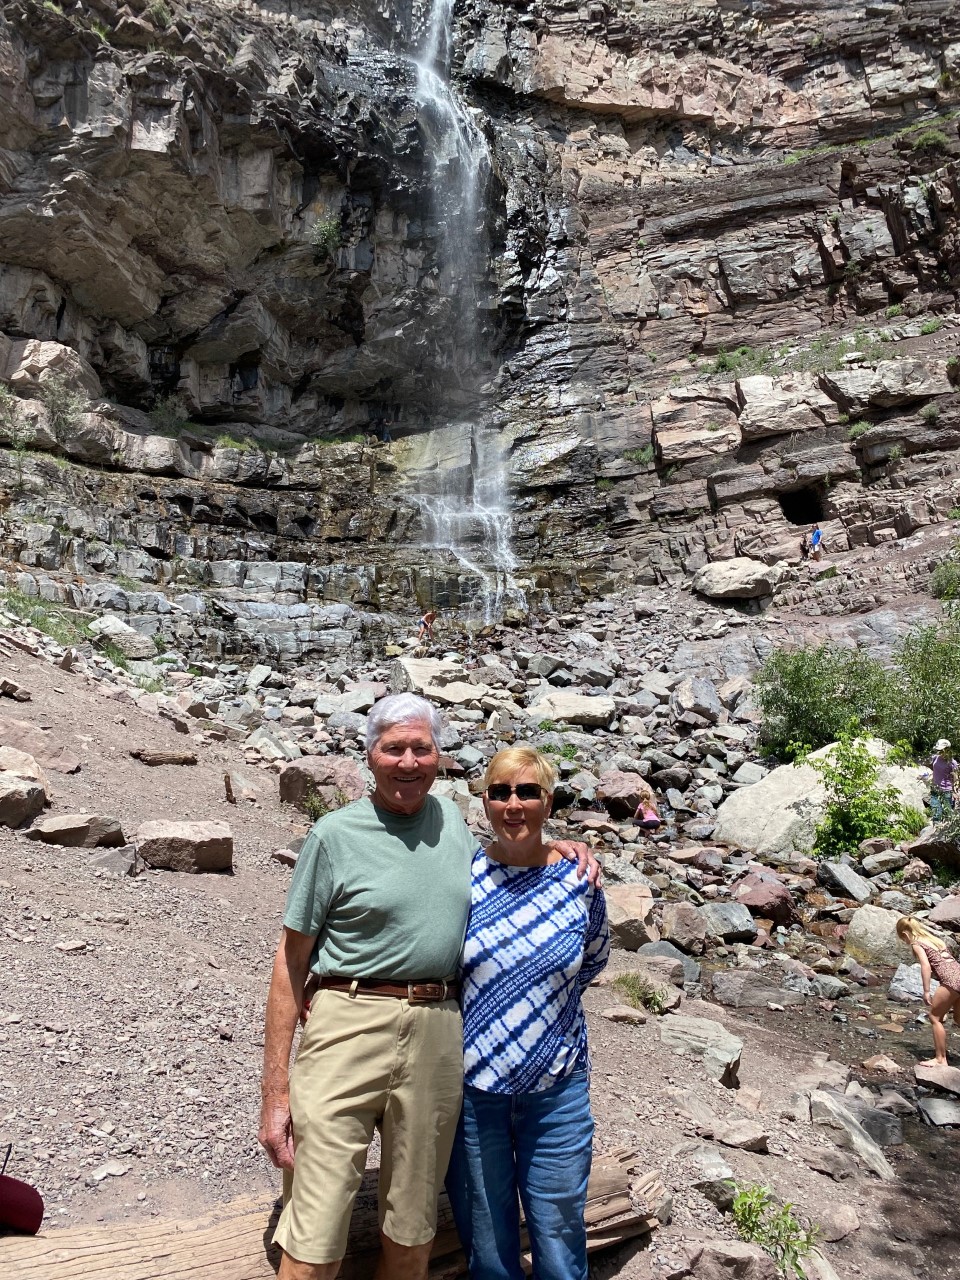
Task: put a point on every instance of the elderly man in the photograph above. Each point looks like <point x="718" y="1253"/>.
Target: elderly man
<point x="377" y="912"/>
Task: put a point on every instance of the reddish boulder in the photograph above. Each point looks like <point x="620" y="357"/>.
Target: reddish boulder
<point x="766" y="895"/>
<point x="620" y="793"/>
<point x="336" y="779"/>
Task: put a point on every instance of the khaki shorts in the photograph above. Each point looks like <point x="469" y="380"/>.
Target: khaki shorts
<point x="369" y="1062"/>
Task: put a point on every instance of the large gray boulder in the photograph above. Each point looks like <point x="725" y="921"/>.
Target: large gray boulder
<point x="21" y="799"/>
<point x="831" y="1110"/>
<point x="781" y="811"/>
<point x="574" y="708"/>
<point x="737" y="579"/>
<point x="703" y="1038"/>
<point x="185" y="846"/>
<point x="872" y="938"/>
<point x="79" y="831"/>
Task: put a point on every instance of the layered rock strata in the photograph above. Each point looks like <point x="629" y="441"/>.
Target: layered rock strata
<point x="721" y="292"/>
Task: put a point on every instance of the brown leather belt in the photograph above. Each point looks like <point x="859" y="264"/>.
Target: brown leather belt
<point x="415" y="992"/>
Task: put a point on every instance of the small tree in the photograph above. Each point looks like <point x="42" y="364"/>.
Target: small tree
<point x="858" y="807"/>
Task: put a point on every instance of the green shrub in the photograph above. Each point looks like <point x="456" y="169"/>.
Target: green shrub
<point x="52" y="621"/>
<point x="636" y="990"/>
<point x="642" y="457"/>
<point x="547" y="726"/>
<point x="925" y="704"/>
<point x="743" y="361"/>
<point x="226" y="441"/>
<point x="169" y="415"/>
<point x="326" y="235"/>
<point x="932" y="140"/>
<point x="810" y="695"/>
<point x="317" y="806"/>
<point x="894" y="311"/>
<point x="953" y="369"/>
<point x="759" y="1219"/>
<point x="858" y="428"/>
<point x="930" y="412"/>
<point x="604" y="486"/>
<point x="953" y="513"/>
<point x="945" y="580"/>
<point x="857" y="806"/>
<point x="160" y="14"/>
<point x="931" y="326"/>
<point x="64" y="405"/>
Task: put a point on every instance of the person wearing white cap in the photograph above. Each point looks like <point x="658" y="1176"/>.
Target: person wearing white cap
<point x="944" y="769"/>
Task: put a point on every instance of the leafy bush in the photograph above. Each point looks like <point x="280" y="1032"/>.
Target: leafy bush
<point x="604" y="486"/>
<point x="761" y="1220"/>
<point x="930" y="412"/>
<point x="931" y="326"/>
<point x="931" y="140"/>
<point x="857" y="807"/>
<point x="945" y="579"/>
<point x="169" y="415"/>
<point x="926" y="687"/>
<point x="858" y="428"/>
<point x="810" y="695"/>
<point x="326" y="235"/>
<point x="894" y="311"/>
<point x="640" y="992"/>
<point x="64" y="405"/>
<point x="227" y="441"/>
<point x="315" y="805"/>
<point x="743" y="361"/>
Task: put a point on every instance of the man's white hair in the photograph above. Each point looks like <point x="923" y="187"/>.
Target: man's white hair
<point x="401" y="708"/>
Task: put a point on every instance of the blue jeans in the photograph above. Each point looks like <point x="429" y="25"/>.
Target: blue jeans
<point x="537" y="1146"/>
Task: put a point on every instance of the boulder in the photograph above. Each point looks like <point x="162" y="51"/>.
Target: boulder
<point x="79" y="831"/>
<point x="699" y="695"/>
<point x="887" y="383"/>
<point x="666" y="950"/>
<point x="21" y="800"/>
<point x="337" y="779"/>
<point x="739" y="989"/>
<point x="839" y="876"/>
<point x="831" y="1110"/>
<point x="706" y="1039"/>
<point x="130" y="642"/>
<point x="934" y="850"/>
<point x="940" y="1111"/>
<point x="731" y="1260"/>
<point x="121" y="861"/>
<point x="414" y="675"/>
<point x="630" y="914"/>
<point x="947" y="1078"/>
<point x="737" y="579"/>
<point x="781" y="812"/>
<point x="574" y="708"/>
<point x="729" y="921"/>
<point x="29" y="364"/>
<point x="47" y="750"/>
<point x="185" y="846"/>
<point x="764" y="894"/>
<point x="874" y="864"/>
<point x="742" y="1133"/>
<point x="947" y="912"/>
<point x="24" y="766"/>
<point x="620" y="792"/>
<point x="907" y="984"/>
<point x="682" y="924"/>
<point x="872" y="938"/>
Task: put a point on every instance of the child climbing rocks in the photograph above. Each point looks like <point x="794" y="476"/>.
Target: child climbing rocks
<point x="936" y="961"/>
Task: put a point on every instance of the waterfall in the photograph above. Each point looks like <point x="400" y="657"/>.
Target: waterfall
<point x="469" y="516"/>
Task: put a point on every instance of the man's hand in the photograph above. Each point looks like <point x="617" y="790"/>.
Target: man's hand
<point x="276" y="1132"/>
<point x="587" y="864"/>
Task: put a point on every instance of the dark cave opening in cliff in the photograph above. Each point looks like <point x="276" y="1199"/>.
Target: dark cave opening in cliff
<point x="802" y="506"/>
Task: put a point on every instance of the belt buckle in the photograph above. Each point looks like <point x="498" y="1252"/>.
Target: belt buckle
<point x="439" y="988"/>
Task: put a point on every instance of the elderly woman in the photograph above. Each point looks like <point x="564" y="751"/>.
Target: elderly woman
<point x="536" y="937"/>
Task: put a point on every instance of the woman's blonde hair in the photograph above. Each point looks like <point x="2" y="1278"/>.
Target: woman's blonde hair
<point x="513" y="760"/>
<point x="910" y="929"/>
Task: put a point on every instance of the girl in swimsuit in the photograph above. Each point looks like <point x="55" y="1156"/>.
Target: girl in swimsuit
<point x="936" y="960"/>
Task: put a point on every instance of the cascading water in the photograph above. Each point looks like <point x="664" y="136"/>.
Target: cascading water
<point x="469" y="514"/>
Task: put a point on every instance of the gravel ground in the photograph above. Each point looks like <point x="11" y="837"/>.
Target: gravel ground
<point x="129" y="1066"/>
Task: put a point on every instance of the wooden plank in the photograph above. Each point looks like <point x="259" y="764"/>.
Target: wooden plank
<point x="234" y="1243"/>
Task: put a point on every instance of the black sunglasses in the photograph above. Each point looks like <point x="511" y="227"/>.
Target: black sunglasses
<point x="500" y="792"/>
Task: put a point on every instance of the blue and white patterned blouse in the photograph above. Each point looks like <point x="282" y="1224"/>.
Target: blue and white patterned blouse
<point x="536" y="937"/>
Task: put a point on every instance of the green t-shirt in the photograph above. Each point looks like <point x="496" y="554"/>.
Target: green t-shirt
<point x="387" y="896"/>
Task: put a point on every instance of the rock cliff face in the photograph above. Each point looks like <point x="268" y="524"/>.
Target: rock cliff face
<point x="720" y="298"/>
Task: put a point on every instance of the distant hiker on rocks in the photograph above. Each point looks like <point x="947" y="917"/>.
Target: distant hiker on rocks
<point x="425" y="625"/>
<point x="536" y="937"/>
<point x="816" y="542"/>
<point x="942" y="790"/>
<point x="375" y="917"/>
<point x="646" y="815"/>
<point x="936" y="961"/>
